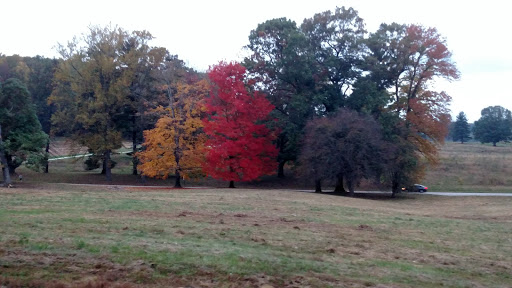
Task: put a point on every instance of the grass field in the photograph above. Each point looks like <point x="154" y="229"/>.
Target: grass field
<point x="54" y="233"/>
<point x="472" y="167"/>
<point x="59" y="235"/>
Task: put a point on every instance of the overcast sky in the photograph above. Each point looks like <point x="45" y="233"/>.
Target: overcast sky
<point x="203" y="32"/>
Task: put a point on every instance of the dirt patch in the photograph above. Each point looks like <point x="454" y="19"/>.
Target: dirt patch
<point x="86" y="272"/>
<point x="74" y="270"/>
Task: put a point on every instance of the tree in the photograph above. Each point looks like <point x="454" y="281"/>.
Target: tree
<point x="239" y="145"/>
<point x="40" y="87"/>
<point x="3" y="161"/>
<point x="461" y="130"/>
<point x="143" y="88"/>
<point x="37" y="75"/>
<point x="39" y="84"/>
<point x="176" y="144"/>
<point x="3" y="158"/>
<point x="281" y="65"/>
<point x="348" y="144"/>
<point x="404" y="163"/>
<point x="22" y="137"/>
<point x="494" y="125"/>
<point x="13" y="66"/>
<point x="92" y="90"/>
<point x="406" y="60"/>
<point x="337" y="42"/>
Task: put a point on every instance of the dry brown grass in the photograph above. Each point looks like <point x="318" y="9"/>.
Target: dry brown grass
<point x="472" y="167"/>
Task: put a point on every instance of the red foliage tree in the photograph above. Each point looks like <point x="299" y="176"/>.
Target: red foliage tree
<point x="239" y="145"/>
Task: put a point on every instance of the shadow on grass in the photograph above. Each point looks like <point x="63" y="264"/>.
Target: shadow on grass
<point x="380" y="195"/>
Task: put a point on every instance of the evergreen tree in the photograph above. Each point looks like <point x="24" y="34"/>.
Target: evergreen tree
<point x="461" y="131"/>
<point x="21" y="136"/>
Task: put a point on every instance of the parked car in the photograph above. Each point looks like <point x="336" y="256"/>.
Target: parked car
<point x="416" y="188"/>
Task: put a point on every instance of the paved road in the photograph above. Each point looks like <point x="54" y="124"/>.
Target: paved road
<point x="457" y="194"/>
<point x="468" y="194"/>
<point x="431" y="193"/>
<point x="80" y="156"/>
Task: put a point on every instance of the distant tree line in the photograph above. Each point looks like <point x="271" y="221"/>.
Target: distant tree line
<point x="494" y="125"/>
<point x="333" y="100"/>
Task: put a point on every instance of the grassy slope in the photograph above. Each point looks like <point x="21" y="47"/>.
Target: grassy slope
<point x="247" y="237"/>
<point x="472" y="167"/>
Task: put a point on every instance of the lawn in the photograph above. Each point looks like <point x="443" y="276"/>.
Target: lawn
<point x="54" y="233"/>
<point x="61" y="235"/>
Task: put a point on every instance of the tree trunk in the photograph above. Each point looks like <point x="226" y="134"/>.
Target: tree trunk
<point x="318" y="186"/>
<point x="494" y="144"/>
<point x="3" y="162"/>
<point x="177" y="184"/>
<point x="134" y="148"/>
<point x="107" y="166"/>
<point x="231" y="184"/>
<point x="394" y="188"/>
<point x="350" y="185"/>
<point x="6" y="176"/>
<point x="12" y="165"/>
<point x="103" y="167"/>
<point x="280" y="169"/>
<point x="339" y="185"/>
<point x="177" y="158"/>
<point x="47" y="150"/>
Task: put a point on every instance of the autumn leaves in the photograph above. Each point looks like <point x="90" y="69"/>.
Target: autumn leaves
<point x="222" y="135"/>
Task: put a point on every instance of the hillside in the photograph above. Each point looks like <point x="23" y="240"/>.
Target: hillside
<point x="472" y="167"/>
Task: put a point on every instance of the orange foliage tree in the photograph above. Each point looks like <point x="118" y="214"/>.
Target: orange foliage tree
<point x="426" y="111"/>
<point x="176" y="143"/>
<point x="407" y="60"/>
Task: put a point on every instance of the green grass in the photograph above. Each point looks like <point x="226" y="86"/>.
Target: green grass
<point x="235" y="237"/>
<point x="109" y="235"/>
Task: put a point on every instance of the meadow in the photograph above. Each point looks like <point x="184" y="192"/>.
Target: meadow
<point x="55" y="233"/>
<point x="64" y="235"/>
<point x="472" y="167"/>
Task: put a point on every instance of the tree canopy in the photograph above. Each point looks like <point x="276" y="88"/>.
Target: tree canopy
<point x="282" y="66"/>
<point x="239" y="145"/>
<point x="348" y="144"/>
<point x="111" y="85"/>
<point x="494" y="125"/>
<point x="176" y="145"/>
<point x="406" y="60"/>
<point x="93" y="89"/>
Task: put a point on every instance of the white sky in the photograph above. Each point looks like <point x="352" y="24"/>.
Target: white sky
<point x="203" y="32"/>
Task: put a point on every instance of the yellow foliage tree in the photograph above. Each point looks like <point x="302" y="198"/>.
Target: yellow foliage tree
<point x="175" y="145"/>
<point x="92" y="88"/>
